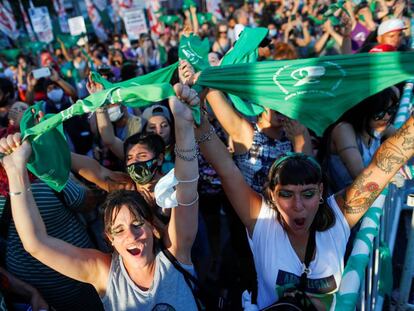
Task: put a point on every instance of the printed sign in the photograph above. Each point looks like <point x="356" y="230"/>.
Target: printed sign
<point x="41" y="23"/>
<point x="77" y="25"/>
<point x="135" y="23"/>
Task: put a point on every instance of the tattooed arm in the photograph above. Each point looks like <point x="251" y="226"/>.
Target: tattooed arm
<point x="355" y="200"/>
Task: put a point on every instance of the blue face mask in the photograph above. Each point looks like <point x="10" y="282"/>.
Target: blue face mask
<point x="142" y="172"/>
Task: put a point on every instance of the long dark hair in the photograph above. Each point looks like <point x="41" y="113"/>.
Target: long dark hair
<point x="299" y="169"/>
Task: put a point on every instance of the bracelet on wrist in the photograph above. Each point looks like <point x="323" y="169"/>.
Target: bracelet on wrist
<point x="179" y="153"/>
<point x="12" y="194"/>
<point x="206" y="136"/>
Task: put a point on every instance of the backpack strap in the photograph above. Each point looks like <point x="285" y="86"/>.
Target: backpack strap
<point x="190" y="279"/>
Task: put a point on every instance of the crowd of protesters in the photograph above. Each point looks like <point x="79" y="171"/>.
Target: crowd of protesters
<point x="258" y="200"/>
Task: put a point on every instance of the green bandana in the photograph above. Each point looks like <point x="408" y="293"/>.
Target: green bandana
<point x="188" y="4"/>
<point x="10" y="54"/>
<point x="246" y="51"/>
<point x="204" y="18"/>
<point x="50" y="158"/>
<point x="170" y="19"/>
<point x="195" y="51"/>
<point x="315" y="91"/>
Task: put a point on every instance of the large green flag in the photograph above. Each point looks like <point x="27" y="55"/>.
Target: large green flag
<point x="315" y="91"/>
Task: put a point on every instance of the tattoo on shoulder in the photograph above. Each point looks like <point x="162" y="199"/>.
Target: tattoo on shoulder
<point x="363" y="195"/>
<point x="390" y="157"/>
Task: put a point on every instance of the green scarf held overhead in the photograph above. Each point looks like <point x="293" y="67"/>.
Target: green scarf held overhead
<point x="34" y="47"/>
<point x="10" y="54"/>
<point x="187" y="4"/>
<point x="245" y="50"/>
<point x="170" y="19"/>
<point x="162" y="75"/>
<point x="315" y="91"/>
<point x="50" y="159"/>
<point x="204" y="18"/>
<point x="195" y="51"/>
<point x="68" y="40"/>
<point x="44" y="138"/>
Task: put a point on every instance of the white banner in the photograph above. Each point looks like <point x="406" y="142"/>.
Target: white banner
<point x="41" y="23"/>
<point x="135" y="23"/>
<point x="77" y="26"/>
<point x="213" y="6"/>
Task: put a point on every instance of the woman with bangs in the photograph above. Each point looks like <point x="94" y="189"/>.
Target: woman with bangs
<point x="297" y="235"/>
<point x="146" y="269"/>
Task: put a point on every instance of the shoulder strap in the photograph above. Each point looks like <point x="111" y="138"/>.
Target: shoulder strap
<point x="5" y="219"/>
<point x="310" y="249"/>
<point x="191" y="281"/>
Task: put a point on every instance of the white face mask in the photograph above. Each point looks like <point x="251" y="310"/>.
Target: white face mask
<point x="55" y="95"/>
<point x="80" y="66"/>
<point x="173" y="43"/>
<point x="272" y="33"/>
<point x="115" y="113"/>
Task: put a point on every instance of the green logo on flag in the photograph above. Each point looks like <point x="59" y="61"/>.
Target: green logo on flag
<point x="322" y="79"/>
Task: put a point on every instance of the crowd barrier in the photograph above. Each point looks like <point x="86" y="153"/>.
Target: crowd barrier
<point x="367" y="277"/>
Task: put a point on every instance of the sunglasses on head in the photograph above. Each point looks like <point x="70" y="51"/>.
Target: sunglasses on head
<point x="392" y="110"/>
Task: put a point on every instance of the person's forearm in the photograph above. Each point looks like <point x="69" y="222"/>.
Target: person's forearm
<point x="337" y="37"/>
<point x="67" y="88"/>
<point x="26" y="216"/>
<point x="302" y="143"/>
<point x="30" y="95"/>
<point x="321" y="42"/>
<point x="89" y="169"/>
<point x="107" y="134"/>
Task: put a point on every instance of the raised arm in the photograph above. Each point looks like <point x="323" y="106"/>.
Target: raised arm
<point x="107" y="134"/>
<point x="244" y="200"/>
<point x="238" y="128"/>
<point x="85" y="265"/>
<point x="104" y="124"/>
<point x="104" y="178"/>
<point x="390" y="156"/>
<point x="345" y="144"/>
<point x="183" y="224"/>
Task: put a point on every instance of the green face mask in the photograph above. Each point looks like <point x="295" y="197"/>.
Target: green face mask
<point x="142" y="172"/>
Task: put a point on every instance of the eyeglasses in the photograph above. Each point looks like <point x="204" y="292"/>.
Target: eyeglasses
<point x="392" y="110"/>
<point x="225" y="31"/>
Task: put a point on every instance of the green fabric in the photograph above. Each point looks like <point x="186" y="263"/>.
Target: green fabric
<point x="162" y="75"/>
<point x="195" y="51"/>
<point x="246" y="51"/>
<point x="315" y="20"/>
<point x="42" y="134"/>
<point x="386" y="278"/>
<point x="34" y="47"/>
<point x="204" y="18"/>
<point x="170" y="19"/>
<point x="315" y="91"/>
<point x="10" y="54"/>
<point x="68" y="40"/>
<point x="188" y="4"/>
<point x="50" y="159"/>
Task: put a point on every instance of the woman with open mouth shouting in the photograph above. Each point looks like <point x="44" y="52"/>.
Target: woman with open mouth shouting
<point x="140" y="274"/>
<point x="296" y="234"/>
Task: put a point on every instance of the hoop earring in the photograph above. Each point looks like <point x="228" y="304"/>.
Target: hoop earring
<point x="321" y="201"/>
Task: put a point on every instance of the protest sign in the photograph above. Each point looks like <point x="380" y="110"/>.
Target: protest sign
<point x="77" y="25"/>
<point x="41" y="23"/>
<point x="135" y="23"/>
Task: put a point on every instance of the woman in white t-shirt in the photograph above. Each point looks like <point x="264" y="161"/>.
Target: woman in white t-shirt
<point x="279" y="224"/>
